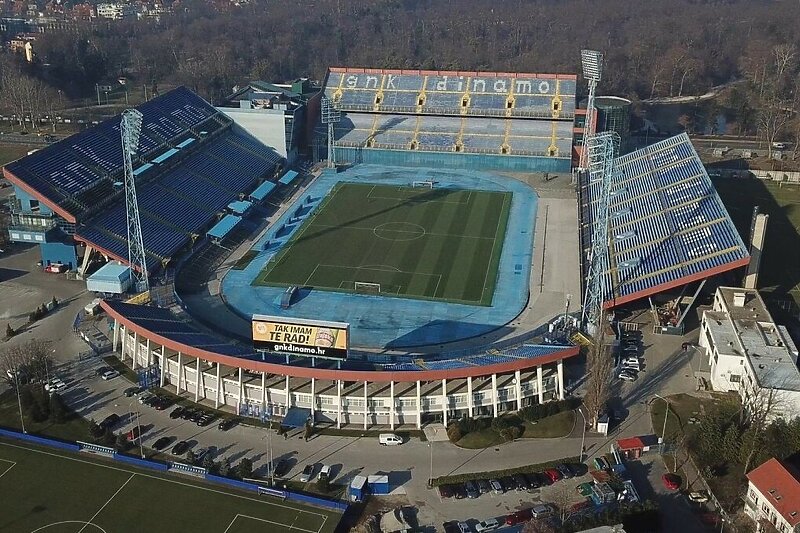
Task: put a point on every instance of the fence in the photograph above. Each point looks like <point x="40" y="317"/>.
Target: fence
<point x="174" y="467"/>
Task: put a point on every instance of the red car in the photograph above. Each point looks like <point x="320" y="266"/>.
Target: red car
<point x="671" y="481"/>
<point x="519" y="517"/>
<point x="553" y="474"/>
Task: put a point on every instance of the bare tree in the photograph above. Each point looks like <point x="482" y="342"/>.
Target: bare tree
<point x="760" y="407"/>
<point x="539" y="526"/>
<point x="599" y="364"/>
<point x="32" y="358"/>
<point x="561" y="498"/>
<point x="771" y="121"/>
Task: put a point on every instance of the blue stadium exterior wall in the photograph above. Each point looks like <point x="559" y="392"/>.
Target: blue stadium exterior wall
<point x="378" y="156"/>
<point x="57" y="252"/>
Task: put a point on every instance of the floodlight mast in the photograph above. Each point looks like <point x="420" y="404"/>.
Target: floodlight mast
<point x="131" y="128"/>
<point x="601" y="150"/>
<point x="330" y="116"/>
<point x="592" y="63"/>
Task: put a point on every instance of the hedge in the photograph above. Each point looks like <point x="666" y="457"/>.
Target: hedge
<point x="527" y="469"/>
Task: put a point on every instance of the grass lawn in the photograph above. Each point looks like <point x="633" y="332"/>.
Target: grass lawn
<point x="11" y="151"/>
<point x="43" y="488"/>
<point x="557" y="425"/>
<point x="414" y="242"/>
<point x="74" y="428"/>
<point x="780" y="264"/>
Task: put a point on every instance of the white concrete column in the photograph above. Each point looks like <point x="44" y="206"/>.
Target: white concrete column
<point x="470" y="398"/>
<point x="444" y="402"/>
<point x="219" y="388"/>
<point x="287" y="394"/>
<point x="560" y="379"/>
<point x="163" y="364"/>
<point x="518" y="388"/>
<point x="149" y="354"/>
<point x="116" y="335"/>
<point x="263" y="391"/>
<point x="135" y="363"/>
<point x="180" y="373"/>
<point x="366" y="405"/>
<point x="124" y="339"/>
<point x="198" y="381"/>
<point x="313" y="402"/>
<point x="338" y="404"/>
<point x="494" y="395"/>
<point x="419" y="407"/>
<point x="241" y="392"/>
<point x="391" y="404"/>
<point x="540" y="383"/>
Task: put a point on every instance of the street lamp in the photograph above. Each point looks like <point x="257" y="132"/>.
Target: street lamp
<point x="583" y="436"/>
<point x="19" y="400"/>
<point x="138" y="426"/>
<point x="430" y="478"/>
<point x="664" y="429"/>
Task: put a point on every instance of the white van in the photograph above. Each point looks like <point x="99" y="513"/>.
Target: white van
<point x="780" y="145"/>
<point x="389" y="439"/>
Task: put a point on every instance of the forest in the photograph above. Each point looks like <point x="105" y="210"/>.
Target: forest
<point x="652" y="48"/>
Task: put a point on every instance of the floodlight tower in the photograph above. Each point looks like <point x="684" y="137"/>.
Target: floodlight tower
<point x="592" y="63"/>
<point x="330" y="116"/>
<point x="600" y="149"/>
<point x="131" y="127"/>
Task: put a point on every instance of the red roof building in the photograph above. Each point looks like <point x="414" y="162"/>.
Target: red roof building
<point x="773" y="496"/>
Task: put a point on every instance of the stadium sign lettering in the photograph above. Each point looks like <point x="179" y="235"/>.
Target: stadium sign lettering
<point x="457" y="84"/>
<point x="301" y="337"/>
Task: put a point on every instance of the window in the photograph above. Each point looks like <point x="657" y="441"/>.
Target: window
<point x="735" y="378"/>
<point x="34" y="205"/>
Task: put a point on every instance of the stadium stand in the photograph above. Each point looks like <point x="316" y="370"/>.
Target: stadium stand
<point x="503" y="115"/>
<point x="667" y="226"/>
<point x="190" y="165"/>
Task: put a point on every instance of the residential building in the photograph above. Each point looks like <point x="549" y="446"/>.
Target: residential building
<point x="750" y="354"/>
<point x="773" y="497"/>
<point x="116" y="11"/>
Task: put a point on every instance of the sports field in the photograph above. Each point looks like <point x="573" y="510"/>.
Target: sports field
<point x="60" y="492"/>
<point x="414" y="242"/>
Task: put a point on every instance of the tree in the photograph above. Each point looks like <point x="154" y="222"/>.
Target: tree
<point x="309" y="430"/>
<point x="561" y="498"/>
<point x="58" y="411"/>
<point x="108" y="438"/>
<point x="94" y="429"/>
<point x="31" y="358"/>
<point x="225" y="467"/>
<point x="208" y="463"/>
<point x="190" y="457"/>
<point x="599" y="364"/>
<point x="760" y="405"/>
<point x="122" y="443"/>
<point x="539" y="526"/>
<point x="245" y="468"/>
<point x="772" y="119"/>
<point x="10" y="331"/>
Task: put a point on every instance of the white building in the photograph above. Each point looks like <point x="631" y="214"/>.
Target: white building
<point x="748" y="353"/>
<point x="773" y="496"/>
<point x="116" y="11"/>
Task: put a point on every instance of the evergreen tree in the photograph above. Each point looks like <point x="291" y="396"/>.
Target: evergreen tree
<point x="10" y="331"/>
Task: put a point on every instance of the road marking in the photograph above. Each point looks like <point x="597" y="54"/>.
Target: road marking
<point x="105" y="504"/>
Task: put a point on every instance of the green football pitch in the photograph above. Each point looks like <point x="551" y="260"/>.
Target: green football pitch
<point x="413" y="242"/>
<point x="62" y="492"/>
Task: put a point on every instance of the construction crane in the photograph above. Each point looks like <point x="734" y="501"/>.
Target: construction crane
<point x="131" y="128"/>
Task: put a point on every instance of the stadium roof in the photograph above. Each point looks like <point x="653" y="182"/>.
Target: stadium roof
<point x="667" y="227"/>
<point x="177" y="334"/>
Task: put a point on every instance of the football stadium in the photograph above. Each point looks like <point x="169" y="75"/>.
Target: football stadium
<point x="423" y="278"/>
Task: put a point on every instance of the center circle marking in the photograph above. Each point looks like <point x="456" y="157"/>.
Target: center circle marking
<point x="399" y="231"/>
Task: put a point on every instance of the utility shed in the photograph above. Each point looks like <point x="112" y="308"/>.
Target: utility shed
<point x="111" y="278"/>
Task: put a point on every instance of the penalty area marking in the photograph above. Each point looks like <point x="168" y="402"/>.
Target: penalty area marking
<point x="85" y="524"/>
<point x="12" y="463"/>
<point x="281" y="524"/>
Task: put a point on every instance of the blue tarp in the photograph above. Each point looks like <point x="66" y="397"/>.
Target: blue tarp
<point x="263" y="190"/>
<point x="142" y="168"/>
<point x="239" y="207"/>
<point x="166" y="155"/>
<point x="296" y="417"/>
<point x="288" y="177"/>
<point x="186" y="143"/>
<point x="224" y="226"/>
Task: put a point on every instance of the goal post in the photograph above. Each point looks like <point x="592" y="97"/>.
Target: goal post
<point x="424" y="183"/>
<point x="367" y="287"/>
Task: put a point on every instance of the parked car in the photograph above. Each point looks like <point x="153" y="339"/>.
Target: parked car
<point x="55" y="385"/>
<point x="627" y="375"/>
<point x="135" y="432"/>
<point x="282" y="468"/>
<point x="197" y="416"/>
<point x="508" y="483"/>
<point x="519" y="517"/>
<point x="487" y="525"/>
<point x="459" y="492"/>
<point x="162" y="443"/>
<point x="631" y="364"/>
<point x="671" y="481"/>
<point x="497" y="487"/>
<point x="533" y="480"/>
<point x="521" y="484"/>
<point x="451" y="527"/>
<point x="565" y="471"/>
<point x="161" y="403"/>
<point x="389" y="439"/>
<point x="324" y="473"/>
<point x="110" y="421"/>
<point x="227" y="424"/>
<point x="483" y="486"/>
<point x="472" y="489"/>
<point x="177" y="412"/>
<point x="146" y="397"/>
<point x="133" y="391"/>
<point x="307" y="474"/>
<point x="541" y="511"/>
<point x="109" y="374"/>
<point x="181" y="448"/>
<point x="205" y="420"/>
<point x="445" y="491"/>
<point x="553" y="474"/>
<point x="700" y="496"/>
<point x="102" y="369"/>
<point x="187" y="413"/>
<point x="200" y="454"/>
